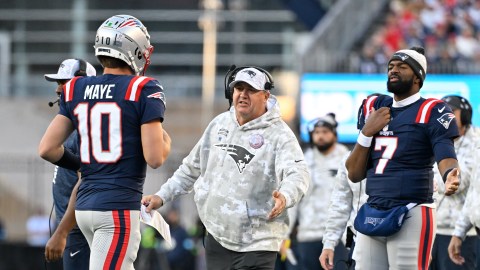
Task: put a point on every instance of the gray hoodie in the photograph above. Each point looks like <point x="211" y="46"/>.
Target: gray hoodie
<point x="234" y="170"/>
<point x="450" y="207"/>
<point x="469" y="217"/>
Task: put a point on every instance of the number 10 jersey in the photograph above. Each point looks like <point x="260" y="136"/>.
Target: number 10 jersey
<point x="108" y="111"/>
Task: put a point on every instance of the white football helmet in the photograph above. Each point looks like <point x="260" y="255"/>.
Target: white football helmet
<point x="125" y="37"/>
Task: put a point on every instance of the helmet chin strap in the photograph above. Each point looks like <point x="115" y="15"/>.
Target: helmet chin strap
<point x="135" y="68"/>
<point x="146" y="55"/>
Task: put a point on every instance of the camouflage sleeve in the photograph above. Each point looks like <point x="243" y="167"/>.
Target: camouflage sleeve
<point x="291" y="169"/>
<point x="339" y="209"/>
<point x="292" y="216"/>
<point x="184" y="178"/>
<point x="463" y="223"/>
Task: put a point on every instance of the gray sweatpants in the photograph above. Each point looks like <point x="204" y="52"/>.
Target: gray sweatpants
<point x="408" y="249"/>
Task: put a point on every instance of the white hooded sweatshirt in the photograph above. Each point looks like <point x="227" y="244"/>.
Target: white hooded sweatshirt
<point x="234" y="170"/>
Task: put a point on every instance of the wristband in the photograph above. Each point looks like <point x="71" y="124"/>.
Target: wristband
<point x="69" y="161"/>
<point x="445" y="174"/>
<point x="364" y="140"/>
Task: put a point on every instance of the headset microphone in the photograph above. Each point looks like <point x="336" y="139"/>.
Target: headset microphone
<point x="50" y="103"/>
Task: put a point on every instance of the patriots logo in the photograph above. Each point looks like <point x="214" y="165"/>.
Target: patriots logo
<point x="250" y="73"/>
<point x="446" y="119"/>
<point x="401" y="56"/>
<point x="373" y="221"/>
<point x="240" y="155"/>
<point x="131" y="22"/>
<point x="159" y="95"/>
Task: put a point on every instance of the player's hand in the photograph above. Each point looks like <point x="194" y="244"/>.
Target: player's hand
<point x="453" y="182"/>
<point x="280" y="203"/>
<point x="326" y="259"/>
<point x="152" y="202"/>
<point x="376" y="121"/>
<point x="454" y="250"/>
<point x="55" y="247"/>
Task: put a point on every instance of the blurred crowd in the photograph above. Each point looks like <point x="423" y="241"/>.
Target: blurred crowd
<point x="447" y="29"/>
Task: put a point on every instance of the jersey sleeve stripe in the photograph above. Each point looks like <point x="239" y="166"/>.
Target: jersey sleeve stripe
<point x="368" y="106"/>
<point x="68" y="89"/>
<point x="135" y="87"/>
<point x="423" y="114"/>
<point x="129" y="88"/>
<point x="140" y="87"/>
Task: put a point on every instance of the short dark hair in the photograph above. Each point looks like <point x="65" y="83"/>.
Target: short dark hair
<point x="111" y="62"/>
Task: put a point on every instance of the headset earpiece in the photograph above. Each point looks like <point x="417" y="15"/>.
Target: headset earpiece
<point x="268" y="86"/>
<point x="228" y="79"/>
<point x="82" y="71"/>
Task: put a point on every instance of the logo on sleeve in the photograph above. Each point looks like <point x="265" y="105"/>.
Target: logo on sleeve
<point x="240" y="155"/>
<point x="159" y="95"/>
<point x="446" y="119"/>
<point x="441" y="110"/>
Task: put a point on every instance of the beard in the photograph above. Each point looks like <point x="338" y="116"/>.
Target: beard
<point x="399" y="87"/>
<point x="325" y="146"/>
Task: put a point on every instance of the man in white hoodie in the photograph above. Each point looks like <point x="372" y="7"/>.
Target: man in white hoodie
<point x="346" y="198"/>
<point x="323" y="159"/>
<point x="246" y="169"/>
<point x="452" y="224"/>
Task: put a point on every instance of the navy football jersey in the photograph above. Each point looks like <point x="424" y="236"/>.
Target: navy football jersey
<point x="64" y="180"/>
<point x="108" y="111"/>
<point x="399" y="169"/>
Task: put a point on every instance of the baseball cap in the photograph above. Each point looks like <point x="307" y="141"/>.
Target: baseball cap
<point x="252" y="76"/>
<point x="67" y="70"/>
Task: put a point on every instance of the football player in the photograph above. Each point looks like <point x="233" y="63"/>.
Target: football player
<point x="118" y="116"/>
<point x="71" y="243"/>
<point x="400" y="139"/>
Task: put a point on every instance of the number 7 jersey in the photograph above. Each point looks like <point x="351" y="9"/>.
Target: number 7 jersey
<point x="108" y="112"/>
<point x="399" y="169"/>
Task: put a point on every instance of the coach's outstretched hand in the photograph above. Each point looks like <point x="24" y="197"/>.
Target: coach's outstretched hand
<point x="152" y="202"/>
<point x="280" y="203"/>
